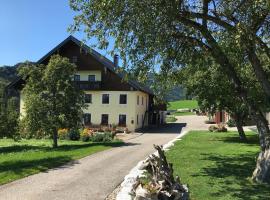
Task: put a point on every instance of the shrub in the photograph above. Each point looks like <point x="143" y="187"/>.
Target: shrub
<point x="171" y="118"/>
<point x="74" y="134"/>
<point x="231" y="123"/>
<point x="212" y="128"/>
<point x="217" y="128"/>
<point x="102" y="137"/>
<point x="85" y="135"/>
<point x="63" y="134"/>
<point x="222" y="128"/>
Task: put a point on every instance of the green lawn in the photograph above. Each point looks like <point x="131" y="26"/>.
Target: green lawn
<point x="174" y="105"/>
<point x="20" y="159"/>
<point x="218" y="166"/>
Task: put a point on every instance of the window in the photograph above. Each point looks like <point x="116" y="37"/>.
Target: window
<point x="138" y="100"/>
<point x="87" y="118"/>
<point x="122" y="120"/>
<point x="88" y="98"/>
<point x="142" y="119"/>
<point x="137" y="119"/>
<point x="123" y="99"/>
<point x="104" y="119"/>
<point x="77" y="77"/>
<point x="142" y="100"/>
<point x="92" y="78"/>
<point x="74" y="59"/>
<point x="105" y="98"/>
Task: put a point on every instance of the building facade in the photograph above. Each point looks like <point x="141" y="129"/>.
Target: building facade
<point x="110" y="100"/>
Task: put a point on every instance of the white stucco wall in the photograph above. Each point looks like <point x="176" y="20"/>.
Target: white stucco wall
<point x="114" y="109"/>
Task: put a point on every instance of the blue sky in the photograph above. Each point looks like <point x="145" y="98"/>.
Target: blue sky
<point x="31" y="28"/>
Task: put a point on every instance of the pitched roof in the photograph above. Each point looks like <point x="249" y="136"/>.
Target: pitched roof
<point x="102" y="59"/>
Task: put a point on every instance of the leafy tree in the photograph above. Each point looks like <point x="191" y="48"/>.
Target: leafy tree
<point x="51" y="99"/>
<point x="9" y="118"/>
<point x="171" y="34"/>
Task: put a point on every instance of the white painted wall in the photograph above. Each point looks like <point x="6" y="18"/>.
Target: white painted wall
<point x="114" y="109"/>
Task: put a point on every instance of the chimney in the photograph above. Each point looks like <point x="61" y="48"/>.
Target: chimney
<point x="116" y="60"/>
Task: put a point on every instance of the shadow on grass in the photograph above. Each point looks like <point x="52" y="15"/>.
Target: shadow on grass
<point x="64" y="147"/>
<point x="21" y="167"/>
<point x="232" y="172"/>
<point x="251" y="139"/>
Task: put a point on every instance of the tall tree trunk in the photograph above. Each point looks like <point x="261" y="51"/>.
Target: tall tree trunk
<point x="262" y="170"/>
<point x="55" y="144"/>
<point x="263" y="163"/>
<point x="239" y="125"/>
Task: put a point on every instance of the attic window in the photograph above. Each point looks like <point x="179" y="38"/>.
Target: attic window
<point x="74" y="59"/>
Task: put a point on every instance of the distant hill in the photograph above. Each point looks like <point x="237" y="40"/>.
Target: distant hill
<point x="8" y="73"/>
<point x="177" y="93"/>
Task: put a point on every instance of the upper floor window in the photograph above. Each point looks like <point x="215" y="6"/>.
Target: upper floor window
<point x="88" y="98"/>
<point x="123" y="99"/>
<point x="92" y="78"/>
<point x="142" y="100"/>
<point x="104" y="119"/>
<point x="87" y="118"/>
<point x="77" y="77"/>
<point x="122" y="120"/>
<point x="138" y="100"/>
<point x="74" y="59"/>
<point x="105" y="98"/>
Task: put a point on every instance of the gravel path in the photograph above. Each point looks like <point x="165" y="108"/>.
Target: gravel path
<point x="96" y="176"/>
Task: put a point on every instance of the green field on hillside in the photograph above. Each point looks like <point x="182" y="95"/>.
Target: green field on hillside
<point x="190" y="104"/>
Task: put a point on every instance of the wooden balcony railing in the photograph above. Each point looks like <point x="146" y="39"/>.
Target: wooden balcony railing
<point x="88" y="85"/>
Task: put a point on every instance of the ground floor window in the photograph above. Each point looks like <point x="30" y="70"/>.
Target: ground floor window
<point x="87" y="118"/>
<point x="137" y="119"/>
<point x="104" y="119"/>
<point x="122" y="120"/>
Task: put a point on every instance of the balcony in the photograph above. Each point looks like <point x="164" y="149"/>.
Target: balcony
<point x="88" y="85"/>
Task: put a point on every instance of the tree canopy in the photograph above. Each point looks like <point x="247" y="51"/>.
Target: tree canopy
<point x="51" y="99"/>
<point x="173" y="34"/>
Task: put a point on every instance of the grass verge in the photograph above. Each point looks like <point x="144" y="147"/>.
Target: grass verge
<point x="182" y="113"/>
<point x="170" y="118"/>
<point x="27" y="157"/>
<point x="218" y="166"/>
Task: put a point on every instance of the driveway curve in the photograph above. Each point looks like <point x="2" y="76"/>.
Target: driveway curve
<point x="95" y="176"/>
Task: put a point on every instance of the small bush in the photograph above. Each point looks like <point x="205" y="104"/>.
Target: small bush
<point x="171" y="118"/>
<point x="102" y="137"/>
<point x="74" y="134"/>
<point x="213" y="128"/>
<point x="222" y="128"/>
<point x="63" y="134"/>
<point x="217" y="128"/>
<point x="85" y="135"/>
<point x="231" y="123"/>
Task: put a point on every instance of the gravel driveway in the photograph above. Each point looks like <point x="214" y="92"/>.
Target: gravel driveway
<point x="93" y="177"/>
